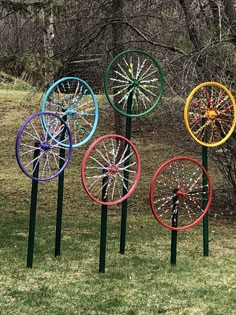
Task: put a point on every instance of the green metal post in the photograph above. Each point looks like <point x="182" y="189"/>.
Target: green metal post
<point x="59" y="205"/>
<point x="174" y="232"/>
<point x="126" y="177"/>
<point x="33" y="207"/>
<point x="103" y="236"/>
<point x="205" y="198"/>
<point x="60" y="194"/>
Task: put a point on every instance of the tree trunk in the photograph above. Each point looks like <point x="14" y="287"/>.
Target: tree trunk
<point x="192" y="30"/>
<point x="48" y="34"/>
<point x="195" y="37"/>
<point x="230" y="12"/>
<point x="118" y="47"/>
<point x="216" y="16"/>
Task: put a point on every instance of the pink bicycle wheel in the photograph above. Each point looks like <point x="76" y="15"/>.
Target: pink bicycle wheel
<point x="110" y="169"/>
<point x="187" y="181"/>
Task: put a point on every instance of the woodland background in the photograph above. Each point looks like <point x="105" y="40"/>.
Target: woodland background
<point x="193" y="40"/>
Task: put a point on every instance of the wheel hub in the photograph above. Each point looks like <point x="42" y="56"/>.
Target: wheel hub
<point x="181" y="193"/>
<point x="45" y="146"/>
<point x="112" y="169"/>
<point x="135" y="83"/>
<point x="71" y="111"/>
<point x="211" y="114"/>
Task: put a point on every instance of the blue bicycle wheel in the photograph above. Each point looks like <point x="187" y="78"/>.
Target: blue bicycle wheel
<point x="74" y="100"/>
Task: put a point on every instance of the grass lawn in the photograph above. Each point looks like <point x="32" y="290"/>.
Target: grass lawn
<point x="141" y="281"/>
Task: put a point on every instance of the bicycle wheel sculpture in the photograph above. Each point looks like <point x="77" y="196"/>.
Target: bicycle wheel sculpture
<point x="134" y="73"/>
<point x="74" y="98"/>
<point x="37" y="146"/>
<point x="177" y="187"/>
<point x="112" y="161"/>
<point x="210" y="114"/>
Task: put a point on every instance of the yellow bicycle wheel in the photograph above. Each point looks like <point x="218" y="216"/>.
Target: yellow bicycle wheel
<point x="210" y="114"/>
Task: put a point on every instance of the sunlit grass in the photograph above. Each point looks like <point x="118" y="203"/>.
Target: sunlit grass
<point x="140" y="282"/>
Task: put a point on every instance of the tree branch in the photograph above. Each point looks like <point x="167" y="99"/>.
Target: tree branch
<point x="137" y="31"/>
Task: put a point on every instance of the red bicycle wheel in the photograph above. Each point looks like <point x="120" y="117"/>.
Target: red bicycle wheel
<point x="187" y="181"/>
<point x="110" y="169"/>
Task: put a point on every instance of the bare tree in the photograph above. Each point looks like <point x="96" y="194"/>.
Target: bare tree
<point x="118" y="47"/>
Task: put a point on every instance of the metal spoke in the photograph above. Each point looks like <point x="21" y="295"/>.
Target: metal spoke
<point x="100" y="153"/>
<point x="180" y="190"/>
<point x="113" y="151"/>
<point x="134" y="74"/>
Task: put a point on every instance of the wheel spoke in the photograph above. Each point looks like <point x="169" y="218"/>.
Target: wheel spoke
<point x="74" y="99"/>
<point x="215" y="104"/>
<point x="100" y="153"/>
<point x="36" y="146"/>
<point x="121" y="166"/>
<point x="134" y="74"/>
<point x="147" y="90"/>
<point x="35" y="159"/>
<point x="123" y="71"/>
<point x="122" y="75"/>
<point x="36" y="164"/>
<point x="31" y="136"/>
<point x="145" y="72"/>
<point x="144" y="78"/>
<point x="199" y="105"/>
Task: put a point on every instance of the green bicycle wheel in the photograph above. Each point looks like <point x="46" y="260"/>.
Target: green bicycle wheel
<point x="137" y="75"/>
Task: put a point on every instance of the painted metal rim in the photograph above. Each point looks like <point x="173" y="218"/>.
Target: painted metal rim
<point x="106" y="79"/>
<point x="152" y="186"/>
<point x="96" y="111"/>
<point x="187" y="108"/>
<point x="84" y="164"/>
<point x="18" y="144"/>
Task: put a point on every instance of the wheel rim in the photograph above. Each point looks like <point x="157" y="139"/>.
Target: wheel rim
<point x="32" y="136"/>
<point x="111" y="164"/>
<point x="137" y="74"/>
<point x="180" y="177"/>
<point x="210" y="114"/>
<point x="74" y="98"/>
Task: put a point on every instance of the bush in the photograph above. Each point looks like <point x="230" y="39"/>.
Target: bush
<point x="225" y="159"/>
<point x="35" y="69"/>
<point x="9" y="82"/>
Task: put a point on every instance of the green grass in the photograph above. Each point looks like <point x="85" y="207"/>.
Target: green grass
<point x="140" y="282"/>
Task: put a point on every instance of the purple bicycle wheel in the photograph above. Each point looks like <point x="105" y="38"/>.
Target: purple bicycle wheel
<point x="43" y="149"/>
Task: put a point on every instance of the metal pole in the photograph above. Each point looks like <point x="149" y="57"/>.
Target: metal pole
<point x="33" y="207"/>
<point x="126" y="177"/>
<point x="205" y="194"/>
<point x="60" y="194"/>
<point x="59" y="205"/>
<point x="103" y="236"/>
<point x="204" y="202"/>
<point x="174" y="232"/>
